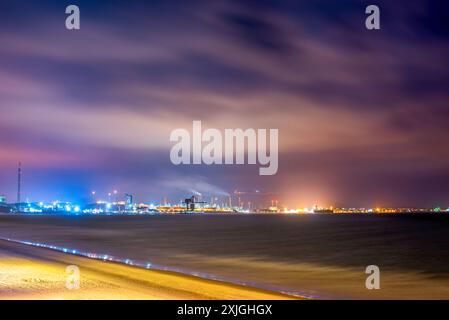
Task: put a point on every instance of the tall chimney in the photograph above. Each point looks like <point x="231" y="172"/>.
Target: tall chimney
<point x="19" y="181"/>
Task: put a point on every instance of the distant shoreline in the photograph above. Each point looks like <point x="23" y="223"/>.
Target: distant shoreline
<point x="59" y="214"/>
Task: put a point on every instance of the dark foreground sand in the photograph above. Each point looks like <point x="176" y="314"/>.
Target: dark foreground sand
<point x="34" y="273"/>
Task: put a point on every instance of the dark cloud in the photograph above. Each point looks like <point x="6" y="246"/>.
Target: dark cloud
<point x="256" y="31"/>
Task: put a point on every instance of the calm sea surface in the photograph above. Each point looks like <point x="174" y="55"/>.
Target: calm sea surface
<point x="321" y="256"/>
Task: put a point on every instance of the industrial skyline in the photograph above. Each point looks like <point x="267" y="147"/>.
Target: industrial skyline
<point x="238" y="201"/>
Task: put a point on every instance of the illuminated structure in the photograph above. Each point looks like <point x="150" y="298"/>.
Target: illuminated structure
<point x="191" y="203"/>
<point x="4" y="207"/>
<point x="128" y="202"/>
<point x="19" y="182"/>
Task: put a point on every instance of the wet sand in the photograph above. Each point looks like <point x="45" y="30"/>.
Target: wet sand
<point x="35" y="273"/>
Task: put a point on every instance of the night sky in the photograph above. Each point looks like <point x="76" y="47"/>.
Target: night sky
<point x="363" y="116"/>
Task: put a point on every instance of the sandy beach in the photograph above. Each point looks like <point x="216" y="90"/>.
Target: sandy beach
<point x="35" y="273"/>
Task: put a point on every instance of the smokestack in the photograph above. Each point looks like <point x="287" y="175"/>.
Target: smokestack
<point x="19" y="181"/>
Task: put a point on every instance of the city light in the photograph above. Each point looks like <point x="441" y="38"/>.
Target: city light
<point x="196" y="205"/>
